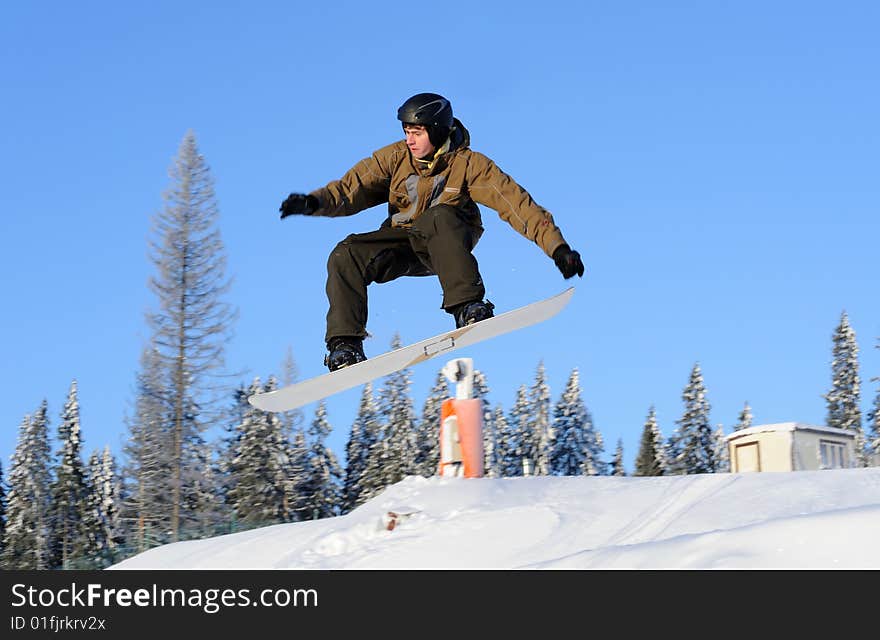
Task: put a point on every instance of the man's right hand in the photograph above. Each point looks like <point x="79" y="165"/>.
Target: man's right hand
<point x="298" y="204"/>
<point x="568" y="262"/>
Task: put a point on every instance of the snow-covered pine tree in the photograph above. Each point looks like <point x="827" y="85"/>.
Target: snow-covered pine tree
<point x="577" y="447"/>
<point x="744" y="420"/>
<point x="322" y="492"/>
<point x="146" y="507"/>
<point x="374" y="481"/>
<point x="203" y="513"/>
<point x="69" y="493"/>
<point x="617" y="466"/>
<point x="722" y="452"/>
<point x="27" y="523"/>
<point x="293" y="419"/>
<point x="363" y="435"/>
<point x="428" y="430"/>
<point x="2" y="512"/>
<point x="94" y="552"/>
<point x="692" y="444"/>
<point x="844" y="396"/>
<point x="512" y="449"/>
<point x="105" y="498"/>
<point x="495" y="467"/>
<point x="192" y="323"/>
<point x="538" y="434"/>
<point x="298" y="482"/>
<point x="395" y="407"/>
<point x="490" y="438"/>
<point x="874" y="421"/>
<point x="651" y="460"/>
<point x="259" y="469"/>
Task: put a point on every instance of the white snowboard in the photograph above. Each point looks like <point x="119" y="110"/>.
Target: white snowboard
<point x="302" y="393"/>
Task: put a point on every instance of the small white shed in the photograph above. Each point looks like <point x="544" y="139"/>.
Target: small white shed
<point x="790" y="446"/>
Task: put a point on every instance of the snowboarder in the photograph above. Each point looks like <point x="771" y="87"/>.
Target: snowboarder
<point x="431" y="181"/>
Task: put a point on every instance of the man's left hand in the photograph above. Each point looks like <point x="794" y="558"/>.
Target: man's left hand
<point x="298" y="204"/>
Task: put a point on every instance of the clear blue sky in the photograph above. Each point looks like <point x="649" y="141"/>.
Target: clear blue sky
<point x="716" y="164"/>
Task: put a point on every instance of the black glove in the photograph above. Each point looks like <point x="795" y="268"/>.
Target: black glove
<point x="568" y="262"/>
<point x="298" y="204"/>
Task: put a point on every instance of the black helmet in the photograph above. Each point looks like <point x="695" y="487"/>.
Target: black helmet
<point x="430" y="110"/>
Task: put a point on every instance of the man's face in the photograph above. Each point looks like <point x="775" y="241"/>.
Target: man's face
<point x="417" y="140"/>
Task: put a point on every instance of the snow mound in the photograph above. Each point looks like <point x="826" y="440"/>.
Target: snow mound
<point x="805" y="519"/>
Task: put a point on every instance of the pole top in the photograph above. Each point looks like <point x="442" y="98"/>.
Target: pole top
<point x="461" y="372"/>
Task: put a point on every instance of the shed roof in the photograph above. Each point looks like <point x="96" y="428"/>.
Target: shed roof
<point x="790" y="426"/>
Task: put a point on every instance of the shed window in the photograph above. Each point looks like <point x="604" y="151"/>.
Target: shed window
<point x="832" y="455"/>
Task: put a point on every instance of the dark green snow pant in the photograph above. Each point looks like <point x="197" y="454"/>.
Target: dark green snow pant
<point x="439" y="243"/>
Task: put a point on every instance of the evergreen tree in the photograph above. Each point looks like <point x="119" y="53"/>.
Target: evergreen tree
<point x="94" y="549"/>
<point x="293" y="419"/>
<point x="260" y="465"/>
<point x="2" y="513"/>
<point x="617" y="467"/>
<point x="874" y="422"/>
<point x="512" y="446"/>
<point x="577" y="447"/>
<point x="490" y="435"/>
<point x="323" y="488"/>
<point x="363" y="435"/>
<point x="192" y="323"/>
<point x="651" y="460"/>
<point x="106" y="497"/>
<point x="537" y="435"/>
<point x="495" y="453"/>
<point x="428" y="431"/>
<point x="69" y="492"/>
<point x="722" y="452"/>
<point x="396" y="409"/>
<point x="374" y="480"/>
<point x="844" y="397"/>
<point x="298" y="486"/>
<point x="146" y="507"/>
<point x="27" y="542"/>
<point x="692" y="445"/>
<point x="744" y="421"/>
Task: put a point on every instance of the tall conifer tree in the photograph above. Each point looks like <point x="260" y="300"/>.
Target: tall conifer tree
<point x="617" y="466"/>
<point x="70" y="493"/>
<point x="490" y="436"/>
<point x="2" y="512"/>
<point x="744" y="420"/>
<point x="651" y="460"/>
<point x="395" y="406"/>
<point x="537" y="435"/>
<point x="513" y="445"/>
<point x="722" y="451"/>
<point x="192" y="323"/>
<point x="363" y="435"/>
<point x="844" y="396"/>
<point x="427" y="433"/>
<point x="146" y="508"/>
<point x="874" y="422"/>
<point x="259" y="469"/>
<point x="324" y="475"/>
<point x="577" y="446"/>
<point x="692" y="446"/>
<point x="27" y="526"/>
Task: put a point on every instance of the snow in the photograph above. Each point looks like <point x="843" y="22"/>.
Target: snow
<point x="826" y="519"/>
<point x="789" y="426"/>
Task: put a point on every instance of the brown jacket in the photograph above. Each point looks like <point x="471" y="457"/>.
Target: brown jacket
<point x="457" y="176"/>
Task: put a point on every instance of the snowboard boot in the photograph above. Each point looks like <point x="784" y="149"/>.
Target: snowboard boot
<point x="344" y="351"/>
<point x="471" y="312"/>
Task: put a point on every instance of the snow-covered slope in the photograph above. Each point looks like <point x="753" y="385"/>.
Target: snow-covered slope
<point x="807" y="519"/>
